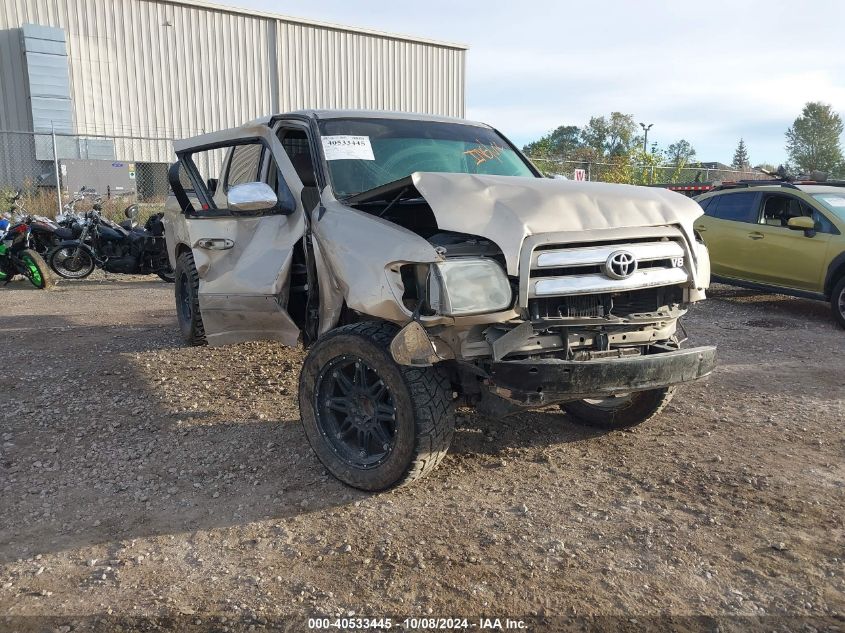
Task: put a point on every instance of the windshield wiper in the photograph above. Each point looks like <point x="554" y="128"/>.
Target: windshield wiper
<point x="393" y="202"/>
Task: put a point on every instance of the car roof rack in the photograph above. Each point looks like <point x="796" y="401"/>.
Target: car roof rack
<point x="790" y="184"/>
<point x="745" y="184"/>
<point x="820" y="183"/>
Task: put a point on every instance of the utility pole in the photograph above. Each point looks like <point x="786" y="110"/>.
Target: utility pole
<point x="56" y="170"/>
<point x="645" y="128"/>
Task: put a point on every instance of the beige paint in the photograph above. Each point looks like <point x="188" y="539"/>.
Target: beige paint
<point x="507" y="210"/>
<point x="243" y="290"/>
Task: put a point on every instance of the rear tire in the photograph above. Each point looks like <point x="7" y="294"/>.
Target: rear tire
<point x="37" y="271"/>
<point x="837" y="302"/>
<point x="373" y="423"/>
<point x="619" y="412"/>
<point x="7" y="271"/>
<point x="186" y="292"/>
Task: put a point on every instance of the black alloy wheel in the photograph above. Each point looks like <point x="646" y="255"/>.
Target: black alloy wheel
<point x="372" y="423"/>
<point x="356" y="412"/>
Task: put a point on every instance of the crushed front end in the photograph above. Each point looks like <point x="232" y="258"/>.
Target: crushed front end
<point x="595" y="315"/>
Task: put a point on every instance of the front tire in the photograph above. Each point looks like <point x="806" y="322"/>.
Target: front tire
<point x="71" y="262"/>
<point x="186" y="291"/>
<point x="373" y="423"/>
<point x="619" y="412"/>
<point x="837" y="302"/>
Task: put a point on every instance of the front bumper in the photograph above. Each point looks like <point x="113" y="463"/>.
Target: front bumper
<point x="545" y="381"/>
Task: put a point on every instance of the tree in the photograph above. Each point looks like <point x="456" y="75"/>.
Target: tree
<point x="680" y="153"/>
<point x="741" y="160"/>
<point x="813" y="141"/>
<point x="613" y="136"/>
<point x="562" y="142"/>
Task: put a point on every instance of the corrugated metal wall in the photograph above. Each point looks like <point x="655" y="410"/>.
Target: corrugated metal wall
<point x="157" y="68"/>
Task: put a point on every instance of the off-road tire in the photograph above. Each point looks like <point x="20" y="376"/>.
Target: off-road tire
<point x="425" y="416"/>
<point x="837" y="302"/>
<point x="188" y="306"/>
<point x="168" y="275"/>
<point x="43" y="269"/>
<point x="643" y="406"/>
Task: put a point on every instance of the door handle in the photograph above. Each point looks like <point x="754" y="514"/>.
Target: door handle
<point x="700" y="229"/>
<point x="756" y="236"/>
<point x="215" y="243"/>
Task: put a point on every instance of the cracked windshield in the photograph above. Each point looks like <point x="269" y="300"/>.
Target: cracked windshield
<point x="366" y="153"/>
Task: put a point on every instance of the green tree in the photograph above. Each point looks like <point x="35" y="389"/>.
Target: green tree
<point x="611" y="136"/>
<point x="647" y="167"/>
<point x="813" y="141"/>
<point x="680" y="153"/>
<point x="560" y="143"/>
<point x="741" y="160"/>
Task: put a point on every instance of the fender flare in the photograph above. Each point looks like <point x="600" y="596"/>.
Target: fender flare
<point x="836" y="264"/>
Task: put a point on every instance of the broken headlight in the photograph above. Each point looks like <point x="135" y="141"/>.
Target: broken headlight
<point x="464" y="286"/>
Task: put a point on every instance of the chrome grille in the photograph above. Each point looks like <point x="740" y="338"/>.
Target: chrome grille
<point x="581" y="270"/>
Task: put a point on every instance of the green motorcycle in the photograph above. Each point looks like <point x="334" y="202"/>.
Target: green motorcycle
<point x="16" y="256"/>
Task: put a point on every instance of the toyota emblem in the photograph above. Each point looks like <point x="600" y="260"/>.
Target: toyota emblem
<point x="620" y="265"/>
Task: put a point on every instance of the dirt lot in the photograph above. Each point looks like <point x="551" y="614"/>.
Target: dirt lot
<point x="149" y="485"/>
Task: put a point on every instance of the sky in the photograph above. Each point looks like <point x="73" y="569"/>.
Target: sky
<point x="710" y="72"/>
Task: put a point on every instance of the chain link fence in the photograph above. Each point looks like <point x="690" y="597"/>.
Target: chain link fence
<point x="125" y="170"/>
<point x="627" y="172"/>
<point x="121" y="170"/>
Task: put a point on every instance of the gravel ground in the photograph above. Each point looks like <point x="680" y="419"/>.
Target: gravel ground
<point x="148" y="485"/>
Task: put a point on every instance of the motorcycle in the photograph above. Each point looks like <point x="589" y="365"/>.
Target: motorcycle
<point x="117" y="248"/>
<point x="46" y="234"/>
<point x="18" y="257"/>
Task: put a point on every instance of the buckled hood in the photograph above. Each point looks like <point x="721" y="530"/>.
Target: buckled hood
<point x="508" y="209"/>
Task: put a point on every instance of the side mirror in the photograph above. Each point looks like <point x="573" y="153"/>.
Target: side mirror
<point x="211" y="184"/>
<point x="252" y="196"/>
<point x="131" y="212"/>
<point x="801" y="223"/>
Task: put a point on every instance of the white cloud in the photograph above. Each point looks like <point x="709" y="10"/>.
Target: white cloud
<point x="709" y="73"/>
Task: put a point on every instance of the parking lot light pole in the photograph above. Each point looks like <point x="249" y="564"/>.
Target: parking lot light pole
<point x="645" y="128"/>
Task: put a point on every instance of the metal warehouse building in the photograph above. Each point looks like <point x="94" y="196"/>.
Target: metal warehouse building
<point x="118" y="80"/>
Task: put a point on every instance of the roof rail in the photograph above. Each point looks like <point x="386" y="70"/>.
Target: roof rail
<point x="744" y="184"/>
<point x="821" y="183"/>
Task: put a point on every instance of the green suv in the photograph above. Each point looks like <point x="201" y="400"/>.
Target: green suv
<point x="778" y="236"/>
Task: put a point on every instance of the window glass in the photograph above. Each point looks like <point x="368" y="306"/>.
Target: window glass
<point x="706" y="204"/>
<point x="296" y="146"/>
<point x="778" y="209"/>
<point x="362" y="154"/>
<point x="244" y="164"/>
<point x="738" y="207"/>
<point x="823" y="224"/>
<point x="833" y="202"/>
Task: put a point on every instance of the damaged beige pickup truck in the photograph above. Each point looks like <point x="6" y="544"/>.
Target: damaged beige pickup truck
<point x="426" y="264"/>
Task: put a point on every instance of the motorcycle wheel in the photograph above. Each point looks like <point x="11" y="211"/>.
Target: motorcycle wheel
<point x="35" y="269"/>
<point x="167" y="274"/>
<point x="71" y="263"/>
